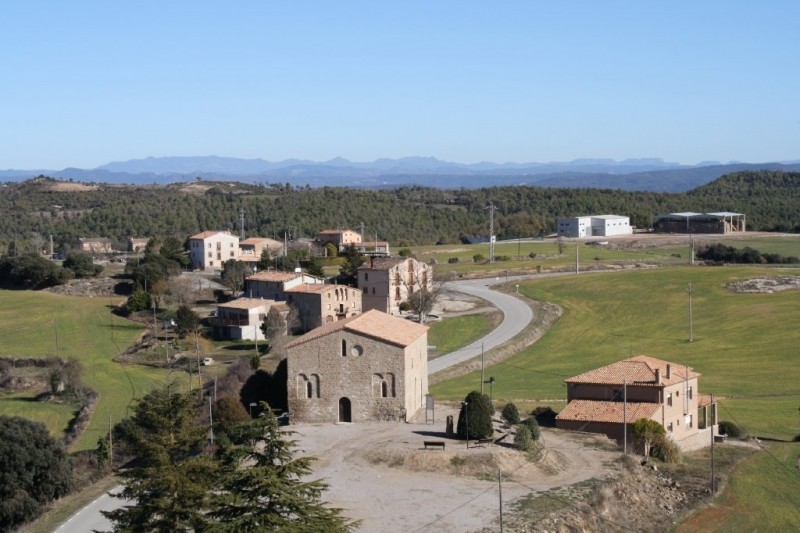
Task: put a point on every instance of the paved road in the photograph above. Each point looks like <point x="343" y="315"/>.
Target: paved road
<point x="516" y="315"/>
<point x="89" y="518"/>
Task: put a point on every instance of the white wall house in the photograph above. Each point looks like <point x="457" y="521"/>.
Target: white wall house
<point x="594" y="226"/>
<point x="210" y="249"/>
<point x="242" y="318"/>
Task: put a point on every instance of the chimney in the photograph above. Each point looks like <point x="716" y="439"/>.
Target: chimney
<point x="669" y="371"/>
<point x="658" y="376"/>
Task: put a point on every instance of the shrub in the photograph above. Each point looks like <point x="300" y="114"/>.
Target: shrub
<point x="478" y="258"/>
<point x="510" y="413"/>
<point x="532" y="255"/>
<point x="138" y="301"/>
<point x="730" y="429"/>
<point x="478" y="410"/>
<point x="404" y="307"/>
<point x="523" y="439"/>
<point x="666" y="449"/>
<point x="404" y="252"/>
<point x="452" y="260"/>
<point x="647" y="432"/>
<point x="533" y="427"/>
<point x="502" y="258"/>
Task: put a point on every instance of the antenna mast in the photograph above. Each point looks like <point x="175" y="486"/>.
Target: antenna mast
<point x="241" y="223"/>
<point x="491" y="209"/>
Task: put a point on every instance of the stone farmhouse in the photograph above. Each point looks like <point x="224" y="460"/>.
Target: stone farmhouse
<point x="363" y="368"/>
<point x="96" y="245"/>
<point x="386" y="282"/>
<point x="242" y="318"/>
<point x="605" y="399"/>
<point x="722" y="222"/>
<point x="319" y="304"/>
<point x="594" y="226"/>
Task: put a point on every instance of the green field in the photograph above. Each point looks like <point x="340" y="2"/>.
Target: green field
<point x="745" y="345"/>
<point x="452" y="333"/>
<point x="86" y="330"/>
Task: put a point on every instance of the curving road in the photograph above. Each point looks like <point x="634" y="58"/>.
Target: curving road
<point x="516" y="315"/>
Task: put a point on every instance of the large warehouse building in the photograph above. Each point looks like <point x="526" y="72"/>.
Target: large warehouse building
<point x="722" y="222"/>
<point x="594" y="226"/>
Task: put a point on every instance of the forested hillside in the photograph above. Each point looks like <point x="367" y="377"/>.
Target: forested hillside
<point x="33" y="210"/>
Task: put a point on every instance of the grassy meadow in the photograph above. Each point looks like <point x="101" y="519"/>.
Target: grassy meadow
<point x="744" y="345"/>
<point x="455" y="332"/>
<point x="87" y="331"/>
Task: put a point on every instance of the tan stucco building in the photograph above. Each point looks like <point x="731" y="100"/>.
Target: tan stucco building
<point x="605" y="399"/>
<point x="386" y="282"/>
<point x="273" y="284"/>
<point x="210" y="249"/>
<point x="368" y="367"/>
<point x="242" y="318"/>
<point x="340" y="237"/>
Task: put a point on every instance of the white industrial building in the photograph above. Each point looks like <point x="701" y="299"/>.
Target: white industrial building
<point x="594" y="226"/>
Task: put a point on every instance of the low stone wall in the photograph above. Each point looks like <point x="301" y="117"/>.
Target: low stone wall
<point x="698" y="441"/>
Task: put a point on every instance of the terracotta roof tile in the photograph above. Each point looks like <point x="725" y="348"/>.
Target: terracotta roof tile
<point x="374" y="324"/>
<point x="639" y="370"/>
<point x="273" y="275"/>
<point x="246" y="303"/>
<point x="207" y="234"/>
<point x="599" y="411"/>
<point x="382" y="263"/>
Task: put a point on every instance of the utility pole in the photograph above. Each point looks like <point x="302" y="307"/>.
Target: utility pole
<point x="55" y="328"/>
<point x="577" y="258"/>
<point x="110" y="443"/>
<point x="713" y="481"/>
<point x="210" y="421"/>
<point x="690" y="290"/>
<point x="481" y="368"/>
<point x="625" y="416"/>
<point x="241" y="222"/>
<point x="491" y="209"/>
<point x="500" y="494"/>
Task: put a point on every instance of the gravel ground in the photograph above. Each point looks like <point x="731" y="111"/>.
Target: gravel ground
<point x="380" y="473"/>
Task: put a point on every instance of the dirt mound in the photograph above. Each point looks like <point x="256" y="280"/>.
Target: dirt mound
<point x="765" y="285"/>
<point x="639" y="498"/>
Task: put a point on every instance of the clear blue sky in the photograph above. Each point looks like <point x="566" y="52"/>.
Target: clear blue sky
<point x="83" y="83"/>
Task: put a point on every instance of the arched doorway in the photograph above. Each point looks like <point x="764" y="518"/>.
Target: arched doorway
<point x="344" y="410"/>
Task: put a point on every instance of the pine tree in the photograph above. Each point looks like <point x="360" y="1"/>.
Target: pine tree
<point x="172" y="478"/>
<point x="263" y="487"/>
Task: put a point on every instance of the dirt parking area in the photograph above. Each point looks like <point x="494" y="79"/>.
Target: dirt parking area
<point x="380" y="473"/>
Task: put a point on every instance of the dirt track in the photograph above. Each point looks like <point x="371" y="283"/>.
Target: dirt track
<point x="381" y="475"/>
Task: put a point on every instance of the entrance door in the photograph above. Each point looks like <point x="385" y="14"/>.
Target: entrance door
<point x="344" y="410"/>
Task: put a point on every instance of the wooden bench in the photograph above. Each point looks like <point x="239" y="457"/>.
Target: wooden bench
<point x="434" y="444"/>
<point x="484" y="441"/>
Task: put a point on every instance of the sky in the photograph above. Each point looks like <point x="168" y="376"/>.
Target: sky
<point x="84" y="83"/>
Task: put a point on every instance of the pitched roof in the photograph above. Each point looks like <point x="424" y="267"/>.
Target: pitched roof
<point x="600" y="411"/>
<point x="246" y="303"/>
<point x="274" y="275"/>
<point x="639" y="370"/>
<point x="317" y="287"/>
<point x="383" y="263"/>
<point x="253" y="240"/>
<point x="207" y="234"/>
<point x="374" y="324"/>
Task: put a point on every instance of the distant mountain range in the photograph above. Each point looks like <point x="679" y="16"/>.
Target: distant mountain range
<point x="630" y="174"/>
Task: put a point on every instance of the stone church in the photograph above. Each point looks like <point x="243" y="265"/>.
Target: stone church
<point x="363" y="368"/>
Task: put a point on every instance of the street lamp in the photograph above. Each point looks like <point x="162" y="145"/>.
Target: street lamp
<point x="252" y="404"/>
<point x="464" y="406"/>
<point x="490" y="381"/>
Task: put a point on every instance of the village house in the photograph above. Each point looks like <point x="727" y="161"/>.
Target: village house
<point x="385" y="283"/>
<point x="250" y="249"/>
<point x="241" y="319"/>
<point x="374" y="248"/>
<point x="96" y="245"/>
<point x="363" y="368"/>
<point x="210" y="249"/>
<point x="605" y="399"/>
<point x="137" y="244"/>
<point x="273" y="284"/>
<point x="319" y="304"/>
<point x="342" y="238"/>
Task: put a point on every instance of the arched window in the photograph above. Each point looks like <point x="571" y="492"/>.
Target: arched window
<point x="344" y="348"/>
<point x="309" y="390"/>
<point x="384" y="389"/>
